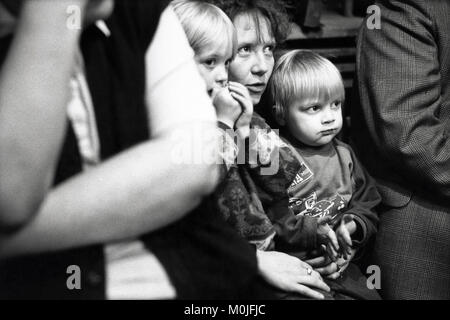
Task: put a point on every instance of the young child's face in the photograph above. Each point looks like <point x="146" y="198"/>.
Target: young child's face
<point x="314" y="122"/>
<point x="213" y="62"/>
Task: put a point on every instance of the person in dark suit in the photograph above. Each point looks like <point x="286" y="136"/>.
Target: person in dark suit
<point x="401" y="131"/>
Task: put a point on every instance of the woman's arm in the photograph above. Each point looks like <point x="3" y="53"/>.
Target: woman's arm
<point x="146" y="187"/>
<point x="33" y="99"/>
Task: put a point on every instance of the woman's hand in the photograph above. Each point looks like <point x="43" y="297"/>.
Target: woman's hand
<point x="290" y="274"/>
<point x="240" y="93"/>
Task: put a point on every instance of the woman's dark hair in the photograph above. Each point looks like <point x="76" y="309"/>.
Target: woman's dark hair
<point x="273" y="10"/>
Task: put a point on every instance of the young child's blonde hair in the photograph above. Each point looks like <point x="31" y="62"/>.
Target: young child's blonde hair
<point x="204" y="23"/>
<point x="303" y="74"/>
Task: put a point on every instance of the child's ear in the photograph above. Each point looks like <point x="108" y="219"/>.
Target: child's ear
<point x="279" y="115"/>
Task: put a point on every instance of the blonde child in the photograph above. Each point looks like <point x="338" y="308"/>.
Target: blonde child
<point x="212" y="36"/>
<point x="331" y="187"/>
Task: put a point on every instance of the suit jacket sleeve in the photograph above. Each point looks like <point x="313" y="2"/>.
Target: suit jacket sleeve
<point x="400" y="85"/>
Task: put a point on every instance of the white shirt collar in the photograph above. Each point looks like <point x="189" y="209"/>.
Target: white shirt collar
<point x="103" y="27"/>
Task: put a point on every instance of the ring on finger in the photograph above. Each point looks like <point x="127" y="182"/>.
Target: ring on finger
<point x="309" y="271"/>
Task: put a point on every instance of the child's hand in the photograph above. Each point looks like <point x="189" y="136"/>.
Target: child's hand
<point x="344" y="231"/>
<point x="240" y="93"/>
<point x="227" y="108"/>
<point x="327" y="237"/>
<point x="342" y="265"/>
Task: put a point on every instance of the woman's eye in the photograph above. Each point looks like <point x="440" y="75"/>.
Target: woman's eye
<point x="244" y="50"/>
<point x="269" y="49"/>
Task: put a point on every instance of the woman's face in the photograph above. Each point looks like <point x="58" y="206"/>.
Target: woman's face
<point x="253" y="64"/>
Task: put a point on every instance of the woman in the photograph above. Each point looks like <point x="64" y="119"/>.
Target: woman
<point x="261" y="25"/>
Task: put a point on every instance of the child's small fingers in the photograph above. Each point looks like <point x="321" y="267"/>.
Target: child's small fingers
<point x="239" y="99"/>
<point x="348" y="251"/>
<point x="245" y="100"/>
<point x="237" y="95"/>
<point x="348" y="218"/>
<point x="347" y="238"/>
<point x="245" y="107"/>
<point x="343" y="247"/>
<point x="323" y="220"/>
<point x="236" y="86"/>
<point x="343" y="252"/>
<point x="333" y="239"/>
<point x="344" y="235"/>
<point x="332" y="253"/>
<point x="239" y="88"/>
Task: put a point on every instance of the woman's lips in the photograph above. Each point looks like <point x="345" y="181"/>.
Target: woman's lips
<point x="256" y="87"/>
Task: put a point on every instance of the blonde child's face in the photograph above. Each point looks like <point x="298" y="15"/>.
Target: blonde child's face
<point x="213" y="62"/>
<point x="314" y="122"/>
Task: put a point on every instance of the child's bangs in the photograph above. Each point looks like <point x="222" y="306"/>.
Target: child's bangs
<point x="226" y="30"/>
<point x="318" y="84"/>
<point x="217" y="30"/>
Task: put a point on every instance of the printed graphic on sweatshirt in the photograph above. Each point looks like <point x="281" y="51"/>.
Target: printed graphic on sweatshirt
<point x="303" y="175"/>
<point x="311" y="207"/>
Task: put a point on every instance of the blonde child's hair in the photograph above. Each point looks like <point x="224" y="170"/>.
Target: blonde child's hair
<point x="303" y="74"/>
<point x="203" y="23"/>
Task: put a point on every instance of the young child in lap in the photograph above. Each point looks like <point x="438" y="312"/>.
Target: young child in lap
<point x="332" y="193"/>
